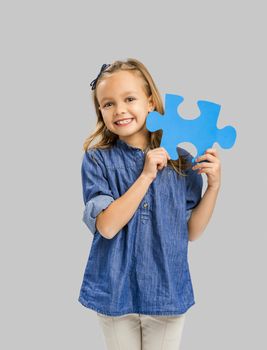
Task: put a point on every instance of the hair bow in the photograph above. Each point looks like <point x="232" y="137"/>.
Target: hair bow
<point x="93" y="82"/>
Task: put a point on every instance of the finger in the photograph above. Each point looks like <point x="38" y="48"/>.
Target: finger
<point x="160" y="166"/>
<point x="207" y="156"/>
<point x="160" y="160"/>
<point x="205" y="171"/>
<point x="213" y="151"/>
<point x="159" y="149"/>
<point x="167" y="154"/>
<point x="163" y="158"/>
<point x="203" y="165"/>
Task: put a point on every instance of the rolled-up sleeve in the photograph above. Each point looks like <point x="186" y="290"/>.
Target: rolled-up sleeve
<point x="97" y="194"/>
<point x="194" y="185"/>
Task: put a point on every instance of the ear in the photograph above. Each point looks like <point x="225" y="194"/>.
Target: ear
<point x="151" y="103"/>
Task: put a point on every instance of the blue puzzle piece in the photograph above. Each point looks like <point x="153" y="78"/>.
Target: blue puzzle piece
<point x="202" y="131"/>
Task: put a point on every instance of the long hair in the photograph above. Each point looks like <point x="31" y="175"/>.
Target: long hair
<point x="104" y="138"/>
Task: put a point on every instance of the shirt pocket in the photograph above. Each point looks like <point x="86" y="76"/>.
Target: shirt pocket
<point x="170" y="187"/>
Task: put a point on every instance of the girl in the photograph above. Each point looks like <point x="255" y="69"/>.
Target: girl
<point x="142" y="209"/>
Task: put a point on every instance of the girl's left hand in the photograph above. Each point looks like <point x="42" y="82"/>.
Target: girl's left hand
<point x="212" y="167"/>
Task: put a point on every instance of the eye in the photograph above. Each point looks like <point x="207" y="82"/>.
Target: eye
<point x="106" y="105"/>
<point x="130" y="98"/>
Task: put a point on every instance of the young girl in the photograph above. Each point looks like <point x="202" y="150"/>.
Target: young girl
<point x="142" y="209"/>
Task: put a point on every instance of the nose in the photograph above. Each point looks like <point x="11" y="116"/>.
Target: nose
<point x="120" y="108"/>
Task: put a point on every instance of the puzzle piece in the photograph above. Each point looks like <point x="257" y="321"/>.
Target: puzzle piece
<point x="202" y="131"/>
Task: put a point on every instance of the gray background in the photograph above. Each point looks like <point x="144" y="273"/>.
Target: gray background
<point x="50" y="51"/>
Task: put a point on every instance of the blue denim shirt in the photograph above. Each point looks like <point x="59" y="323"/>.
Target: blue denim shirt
<point x="144" y="267"/>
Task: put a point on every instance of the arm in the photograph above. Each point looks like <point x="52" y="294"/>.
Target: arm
<point x="201" y="214"/>
<point x="111" y="220"/>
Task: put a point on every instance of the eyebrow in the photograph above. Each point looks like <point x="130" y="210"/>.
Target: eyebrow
<point x="126" y="93"/>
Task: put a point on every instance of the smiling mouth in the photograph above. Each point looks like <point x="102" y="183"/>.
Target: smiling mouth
<point x="124" y="122"/>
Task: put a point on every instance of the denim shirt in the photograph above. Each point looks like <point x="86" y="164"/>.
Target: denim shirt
<point x="144" y="267"/>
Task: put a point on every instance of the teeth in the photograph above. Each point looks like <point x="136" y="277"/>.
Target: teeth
<point x="126" y="121"/>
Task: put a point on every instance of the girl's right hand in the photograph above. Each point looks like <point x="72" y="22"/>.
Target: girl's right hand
<point x="156" y="159"/>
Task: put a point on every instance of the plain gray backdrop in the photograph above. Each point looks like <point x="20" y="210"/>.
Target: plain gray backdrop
<point x="50" y="51"/>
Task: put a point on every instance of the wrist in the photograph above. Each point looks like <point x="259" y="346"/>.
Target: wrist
<point x="215" y="188"/>
<point x="146" y="178"/>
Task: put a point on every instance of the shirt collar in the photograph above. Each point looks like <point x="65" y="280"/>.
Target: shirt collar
<point x="123" y="144"/>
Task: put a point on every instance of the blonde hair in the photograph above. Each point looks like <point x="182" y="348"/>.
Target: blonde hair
<point x="106" y="138"/>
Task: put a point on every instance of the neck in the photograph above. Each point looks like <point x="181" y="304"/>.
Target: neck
<point x="138" y="141"/>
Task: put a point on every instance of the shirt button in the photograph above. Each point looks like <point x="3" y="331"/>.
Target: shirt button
<point x="145" y="205"/>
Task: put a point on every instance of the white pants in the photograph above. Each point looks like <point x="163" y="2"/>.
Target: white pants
<point x="142" y="332"/>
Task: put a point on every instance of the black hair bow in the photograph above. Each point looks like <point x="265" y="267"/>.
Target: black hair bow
<point x="93" y="82"/>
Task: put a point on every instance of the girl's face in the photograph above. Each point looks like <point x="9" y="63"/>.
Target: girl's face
<point x="122" y="96"/>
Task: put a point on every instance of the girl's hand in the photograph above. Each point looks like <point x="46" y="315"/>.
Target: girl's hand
<point x="156" y="159"/>
<point x="212" y="167"/>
